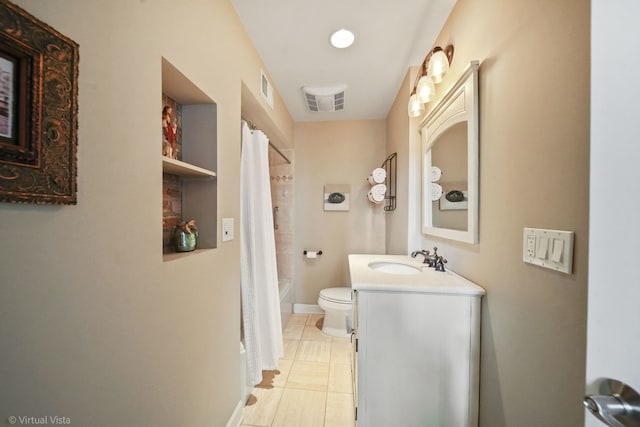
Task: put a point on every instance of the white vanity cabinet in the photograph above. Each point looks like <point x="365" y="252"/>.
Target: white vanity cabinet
<point x="417" y="351"/>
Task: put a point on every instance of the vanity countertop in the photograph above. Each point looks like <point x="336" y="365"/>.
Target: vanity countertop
<point x="424" y="280"/>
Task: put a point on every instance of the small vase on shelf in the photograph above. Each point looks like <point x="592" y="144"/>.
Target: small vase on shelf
<point x="185" y="237"/>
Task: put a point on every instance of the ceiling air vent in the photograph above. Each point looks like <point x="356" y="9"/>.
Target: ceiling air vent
<point x="266" y="89"/>
<point x="324" y="99"/>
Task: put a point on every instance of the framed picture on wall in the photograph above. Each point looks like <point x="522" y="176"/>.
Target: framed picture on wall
<point x="336" y="197"/>
<point x="8" y="80"/>
<point x="38" y="110"/>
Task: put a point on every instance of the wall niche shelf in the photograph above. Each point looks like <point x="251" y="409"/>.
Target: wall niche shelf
<point x="173" y="256"/>
<point x="195" y="172"/>
<point x="180" y="168"/>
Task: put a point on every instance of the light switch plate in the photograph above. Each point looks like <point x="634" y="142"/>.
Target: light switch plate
<point x="227" y="229"/>
<point x="552" y="249"/>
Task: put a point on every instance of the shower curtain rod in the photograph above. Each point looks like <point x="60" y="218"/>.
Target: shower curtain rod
<point x="252" y="126"/>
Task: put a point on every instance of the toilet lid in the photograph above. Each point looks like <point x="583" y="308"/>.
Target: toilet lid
<point x="339" y="295"/>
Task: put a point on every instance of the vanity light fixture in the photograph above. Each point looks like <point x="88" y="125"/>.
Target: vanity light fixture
<point x="342" y="38"/>
<point x="416" y="107"/>
<point x="432" y="70"/>
<point x="438" y="64"/>
<point x="426" y="89"/>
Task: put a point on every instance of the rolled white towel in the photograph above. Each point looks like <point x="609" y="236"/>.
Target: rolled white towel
<point x="375" y="197"/>
<point x="436" y="173"/>
<point x="379" y="189"/>
<point x="436" y="191"/>
<point x="377" y="176"/>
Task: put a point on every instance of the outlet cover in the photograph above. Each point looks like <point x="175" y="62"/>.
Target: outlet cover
<point x="227" y="229"/>
<point x="530" y="241"/>
<point x="552" y="249"/>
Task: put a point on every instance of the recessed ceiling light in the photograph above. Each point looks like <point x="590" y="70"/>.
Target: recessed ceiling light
<point x="342" y="38"/>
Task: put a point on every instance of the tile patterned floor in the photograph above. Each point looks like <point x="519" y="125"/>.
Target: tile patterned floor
<point x="314" y="385"/>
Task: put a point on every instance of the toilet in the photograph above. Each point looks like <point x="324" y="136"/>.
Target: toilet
<point x="338" y="312"/>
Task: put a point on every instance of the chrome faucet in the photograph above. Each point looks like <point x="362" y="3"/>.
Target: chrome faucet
<point x="429" y="259"/>
<point x="422" y="252"/>
<point x="432" y="260"/>
<point x="439" y="263"/>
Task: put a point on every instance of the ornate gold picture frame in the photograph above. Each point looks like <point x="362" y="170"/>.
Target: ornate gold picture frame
<point x="38" y="110"/>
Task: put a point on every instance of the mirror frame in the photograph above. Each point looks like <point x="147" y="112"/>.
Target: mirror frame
<point x="459" y="104"/>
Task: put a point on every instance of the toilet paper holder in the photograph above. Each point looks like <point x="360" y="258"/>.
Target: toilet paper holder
<point x="317" y="252"/>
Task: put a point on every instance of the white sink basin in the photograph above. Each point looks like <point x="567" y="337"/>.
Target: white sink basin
<point x="394" y="267"/>
<point x="401" y="273"/>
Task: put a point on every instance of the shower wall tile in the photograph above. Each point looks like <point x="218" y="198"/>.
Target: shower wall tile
<point x="282" y="196"/>
<point x="284" y="241"/>
<point x="284" y="221"/>
<point x="285" y="266"/>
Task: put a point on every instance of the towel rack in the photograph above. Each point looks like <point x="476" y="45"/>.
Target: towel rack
<point x="390" y="165"/>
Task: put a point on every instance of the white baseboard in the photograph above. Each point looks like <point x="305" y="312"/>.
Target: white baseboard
<point x="236" y="417"/>
<point x="307" y="309"/>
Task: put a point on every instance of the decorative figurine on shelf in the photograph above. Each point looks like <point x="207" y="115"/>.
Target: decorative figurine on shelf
<point x="169" y="129"/>
<point x="185" y="237"/>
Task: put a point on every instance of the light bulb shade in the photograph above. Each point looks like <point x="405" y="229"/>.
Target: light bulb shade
<point x="426" y="90"/>
<point x="438" y="65"/>
<point x="415" y="107"/>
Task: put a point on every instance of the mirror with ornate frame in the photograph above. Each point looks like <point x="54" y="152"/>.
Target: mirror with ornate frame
<point x="450" y="162"/>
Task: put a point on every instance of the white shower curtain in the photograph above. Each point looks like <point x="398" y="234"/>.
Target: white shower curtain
<point x="259" y="275"/>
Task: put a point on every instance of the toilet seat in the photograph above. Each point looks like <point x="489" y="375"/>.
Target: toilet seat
<point x="337" y="295"/>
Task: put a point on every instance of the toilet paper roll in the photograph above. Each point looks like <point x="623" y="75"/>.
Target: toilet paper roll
<point x="312" y="254"/>
<point x="377" y="176"/>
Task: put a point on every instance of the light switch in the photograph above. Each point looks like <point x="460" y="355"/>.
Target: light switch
<point x="551" y="249"/>
<point x="543" y="246"/>
<point x="227" y="229"/>
<point x="556" y="252"/>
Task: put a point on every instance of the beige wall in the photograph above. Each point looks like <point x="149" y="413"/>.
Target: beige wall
<point x="397" y="221"/>
<point x="338" y="152"/>
<point x="95" y="326"/>
<point x="534" y="154"/>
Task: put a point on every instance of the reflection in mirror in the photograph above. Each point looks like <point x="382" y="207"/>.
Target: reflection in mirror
<point x="449" y="153"/>
<point x="450" y="147"/>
